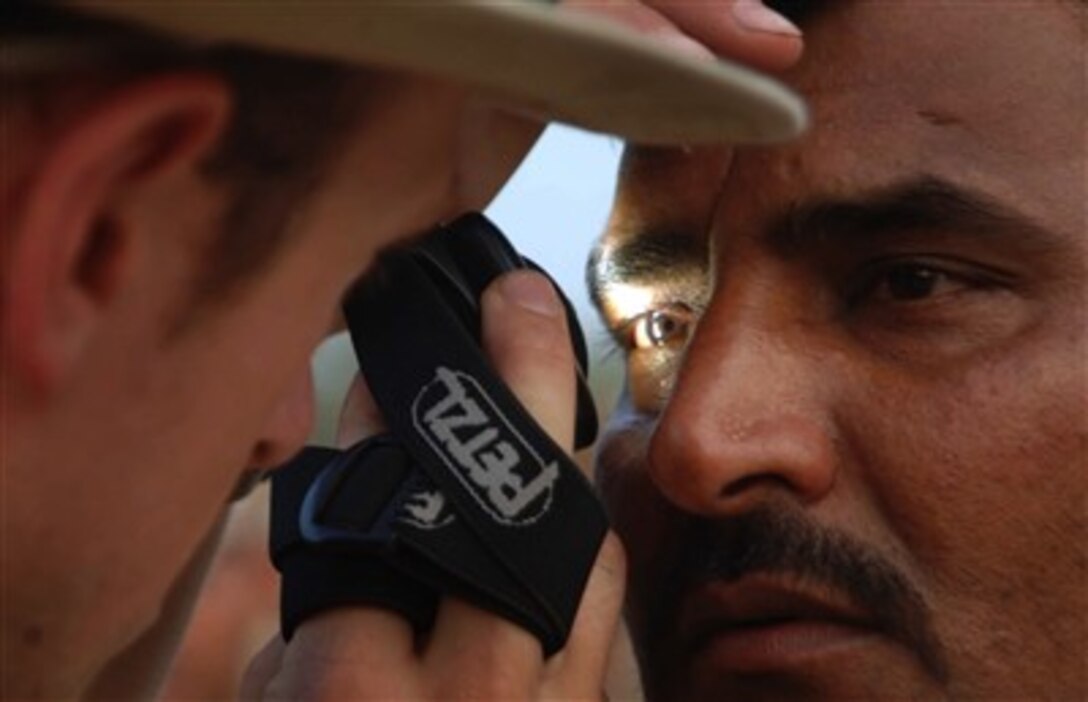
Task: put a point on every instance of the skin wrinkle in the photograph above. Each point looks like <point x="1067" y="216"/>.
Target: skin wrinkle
<point x="940" y="118"/>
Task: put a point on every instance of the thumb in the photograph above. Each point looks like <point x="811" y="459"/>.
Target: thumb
<point x="525" y="335"/>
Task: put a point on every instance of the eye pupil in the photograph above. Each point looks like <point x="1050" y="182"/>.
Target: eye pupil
<point x="911" y="282"/>
<point x="660" y="327"/>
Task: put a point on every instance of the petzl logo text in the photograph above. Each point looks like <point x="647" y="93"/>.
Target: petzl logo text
<point x="483" y="449"/>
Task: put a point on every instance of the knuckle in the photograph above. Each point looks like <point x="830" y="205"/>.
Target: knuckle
<point x="493" y="681"/>
<point x="539" y="342"/>
<point x="547" y="350"/>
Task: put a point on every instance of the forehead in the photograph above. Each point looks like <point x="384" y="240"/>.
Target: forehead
<point x="989" y="96"/>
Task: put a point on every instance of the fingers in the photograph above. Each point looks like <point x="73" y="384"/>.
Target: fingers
<point x="366" y="636"/>
<point x="525" y="335"/>
<point x="470" y="653"/>
<point x="354" y="648"/>
<point x="742" y="30"/>
<point x="642" y="19"/>
<point x="348" y="653"/>
<point x="584" y="660"/>
<point x="261" y="670"/>
<point x="485" y="655"/>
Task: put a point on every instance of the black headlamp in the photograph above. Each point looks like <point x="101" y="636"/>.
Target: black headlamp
<point x="466" y="495"/>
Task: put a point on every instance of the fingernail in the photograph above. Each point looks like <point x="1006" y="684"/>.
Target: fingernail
<point x="753" y="15"/>
<point x="531" y="291"/>
<point x="683" y="44"/>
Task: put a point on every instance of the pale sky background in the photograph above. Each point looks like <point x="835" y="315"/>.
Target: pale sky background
<point x="552" y="209"/>
<point x="557" y="203"/>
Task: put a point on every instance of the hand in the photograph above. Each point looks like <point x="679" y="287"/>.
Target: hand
<point x="495" y="141"/>
<point x="742" y="30"/>
<point x="368" y="653"/>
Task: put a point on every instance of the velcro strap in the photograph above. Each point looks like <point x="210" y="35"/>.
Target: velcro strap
<point x="349" y="563"/>
<point x="517" y="491"/>
<point x="469" y="496"/>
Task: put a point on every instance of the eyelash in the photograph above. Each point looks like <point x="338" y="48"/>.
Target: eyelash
<point x="878" y="276"/>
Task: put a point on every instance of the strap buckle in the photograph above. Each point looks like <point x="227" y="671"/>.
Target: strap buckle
<point x="355" y="500"/>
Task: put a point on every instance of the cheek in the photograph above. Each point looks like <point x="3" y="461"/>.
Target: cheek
<point x="980" y="473"/>
<point x="622" y="483"/>
<point x="995" y="445"/>
<point x="645" y="523"/>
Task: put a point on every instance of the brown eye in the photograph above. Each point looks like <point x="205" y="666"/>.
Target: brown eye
<point x="912" y="282"/>
<point x="907" y="281"/>
<point x="659" y="328"/>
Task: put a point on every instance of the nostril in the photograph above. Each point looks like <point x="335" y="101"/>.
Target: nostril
<point x="287" y="428"/>
<point x="751" y="482"/>
<point x="264" y="455"/>
<point x="267" y="455"/>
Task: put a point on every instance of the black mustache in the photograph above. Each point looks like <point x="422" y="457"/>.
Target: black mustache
<point x="783" y="543"/>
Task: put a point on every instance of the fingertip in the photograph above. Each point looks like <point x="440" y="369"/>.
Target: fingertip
<point x="754" y="16"/>
<point x="261" y="670"/>
<point x="481" y="646"/>
<point x="597" y="621"/>
<point x="531" y="291"/>
<point x="608" y="578"/>
<point x="368" y="635"/>
<point x="744" y="30"/>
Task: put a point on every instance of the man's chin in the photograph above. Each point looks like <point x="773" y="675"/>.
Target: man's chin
<point x="794" y="662"/>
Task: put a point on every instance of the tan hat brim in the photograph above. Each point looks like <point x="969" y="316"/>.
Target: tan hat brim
<point x="560" y="64"/>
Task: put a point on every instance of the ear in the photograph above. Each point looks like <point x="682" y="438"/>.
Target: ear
<point x="68" y="251"/>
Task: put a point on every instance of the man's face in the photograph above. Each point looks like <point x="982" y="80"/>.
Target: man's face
<point x="850" y="459"/>
<point x="117" y="482"/>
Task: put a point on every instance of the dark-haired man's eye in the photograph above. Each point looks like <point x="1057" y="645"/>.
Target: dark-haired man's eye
<point x="929" y="307"/>
<point x="660" y="328"/>
<point x="916" y="280"/>
<point x="911" y="282"/>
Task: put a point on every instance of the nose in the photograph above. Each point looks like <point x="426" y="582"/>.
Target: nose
<point x="747" y="417"/>
<point x="288" y="427"/>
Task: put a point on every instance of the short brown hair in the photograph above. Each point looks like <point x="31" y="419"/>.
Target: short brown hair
<point x="290" y="115"/>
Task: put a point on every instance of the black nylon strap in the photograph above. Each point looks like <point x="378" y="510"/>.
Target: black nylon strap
<point x="521" y="528"/>
<point x="315" y="579"/>
<point x="517" y="491"/>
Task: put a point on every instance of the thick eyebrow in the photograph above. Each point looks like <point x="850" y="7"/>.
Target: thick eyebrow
<point x="923" y="204"/>
<point x="643" y="257"/>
